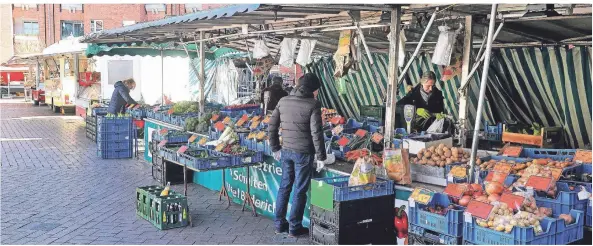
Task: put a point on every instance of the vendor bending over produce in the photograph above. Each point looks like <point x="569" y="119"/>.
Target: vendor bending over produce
<point x="121" y="96"/>
<point x="299" y="115"/>
<point x="427" y="99"/>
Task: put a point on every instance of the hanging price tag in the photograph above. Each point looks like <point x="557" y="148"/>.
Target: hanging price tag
<point x="343" y="141"/>
<point x="511" y="200"/>
<point x="361" y="133"/>
<point x="192" y="138"/>
<point x="163" y="131"/>
<point x="421" y="195"/>
<point x="182" y="149"/>
<point x="219" y="126"/>
<point x="494" y="176"/>
<point x="479" y="209"/>
<point x="539" y="183"/>
<point x="162" y="143"/>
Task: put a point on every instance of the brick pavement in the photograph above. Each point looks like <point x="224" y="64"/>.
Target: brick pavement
<point x="55" y="190"/>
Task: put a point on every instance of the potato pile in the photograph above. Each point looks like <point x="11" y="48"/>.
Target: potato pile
<point x="492" y="164"/>
<point x="502" y="219"/>
<point x="440" y="156"/>
<point x="552" y="163"/>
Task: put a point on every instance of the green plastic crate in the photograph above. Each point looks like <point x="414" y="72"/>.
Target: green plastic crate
<point x="374" y="111"/>
<point x="149" y="206"/>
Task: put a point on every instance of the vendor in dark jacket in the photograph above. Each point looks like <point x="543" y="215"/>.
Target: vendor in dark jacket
<point x="427" y="99"/>
<point x="275" y="91"/>
<point x="299" y="116"/>
<point x="121" y="96"/>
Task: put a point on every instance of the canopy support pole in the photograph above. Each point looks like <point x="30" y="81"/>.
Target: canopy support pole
<point x="392" y="79"/>
<point x="466" y="60"/>
<point x="415" y="54"/>
<point x="202" y="77"/>
<point x="37" y="77"/>
<point x="483" y="82"/>
<point x="162" y="79"/>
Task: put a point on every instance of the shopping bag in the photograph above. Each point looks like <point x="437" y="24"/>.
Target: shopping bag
<point x="436" y="126"/>
<point x="397" y="165"/>
<point x="287" y="49"/>
<point x="260" y="50"/>
<point x="304" y="56"/>
<point x="363" y="172"/>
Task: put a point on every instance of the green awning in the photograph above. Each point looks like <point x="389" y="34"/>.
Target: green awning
<point x="154" y="49"/>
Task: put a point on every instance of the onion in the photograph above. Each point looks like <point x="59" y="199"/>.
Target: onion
<point x="493" y="197"/>
<point x="464" y="201"/>
<point x="494" y="188"/>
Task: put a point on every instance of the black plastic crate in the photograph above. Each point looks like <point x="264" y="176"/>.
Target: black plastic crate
<point x="355" y="211"/>
<point x="382" y="233"/>
<point x="157" y="175"/>
<point x="174" y="173"/>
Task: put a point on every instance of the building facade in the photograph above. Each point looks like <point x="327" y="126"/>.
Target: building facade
<point x="36" y="26"/>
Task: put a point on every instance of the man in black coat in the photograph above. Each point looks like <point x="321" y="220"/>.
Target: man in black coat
<point x="275" y="93"/>
<point x="121" y="96"/>
<point x="427" y="99"/>
<point x="299" y="116"/>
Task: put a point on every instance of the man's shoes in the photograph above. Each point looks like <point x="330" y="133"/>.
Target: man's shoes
<point x="282" y="229"/>
<point x="299" y="232"/>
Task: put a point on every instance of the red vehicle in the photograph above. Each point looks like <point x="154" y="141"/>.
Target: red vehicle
<point x="38" y="96"/>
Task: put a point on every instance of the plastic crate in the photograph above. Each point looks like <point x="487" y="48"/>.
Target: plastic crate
<point x="576" y="173"/>
<point x="343" y="192"/>
<point x="355" y="211"/>
<point x="433" y="237"/>
<point x="565" y="200"/>
<point x="115" y="153"/>
<point x="518" y="236"/>
<point x="450" y="224"/>
<point x="169" y="211"/>
<point x="138" y="113"/>
<point x="196" y="162"/>
<point x="572" y="232"/>
<point x="381" y="233"/>
<point x="113" y="136"/>
<point x="352" y="126"/>
<point x="119" y="145"/>
<point x="554" y="154"/>
<point x="374" y="111"/>
<point x="99" y="111"/>
<point x="169" y="154"/>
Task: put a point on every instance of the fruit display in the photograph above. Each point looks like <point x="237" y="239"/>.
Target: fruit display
<point x="553" y="163"/>
<point x="185" y="107"/>
<point x="503" y="219"/>
<point x="583" y="156"/>
<point x="458" y="171"/>
<point x="241" y="107"/>
<point x="514" y="151"/>
<point x="198" y="124"/>
<point x="354" y="155"/>
<point x="440" y="156"/>
<point x="439" y="209"/>
<point x="506" y="166"/>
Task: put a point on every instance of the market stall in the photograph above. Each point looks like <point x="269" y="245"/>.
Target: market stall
<point x="435" y="164"/>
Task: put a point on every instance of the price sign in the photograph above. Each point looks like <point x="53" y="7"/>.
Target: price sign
<point x="467" y="217"/>
<point x="192" y="138"/>
<point x="182" y="149"/>
<point x="455" y="190"/>
<point x="163" y="131"/>
<point x="215" y="117"/>
<point x="254" y="124"/>
<point x="226" y="120"/>
<point x="219" y="126"/>
<point x="256" y="118"/>
<point x="556" y="173"/>
<point x="513" y="201"/>
<point x="343" y="141"/>
<point x="267" y="119"/>
<point x="203" y="141"/>
<point x="361" y="133"/>
<point x="220" y="147"/>
<point x="240" y="122"/>
<point x="539" y="183"/>
<point x="496" y="177"/>
<point x="503" y="168"/>
<point x="479" y="209"/>
<point x="336" y="120"/>
<point x="245" y="117"/>
<point x="156" y="108"/>
<point x="377" y="138"/>
<point x="162" y="143"/>
<point x="170" y="111"/>
<point x="337" y="130"/>
<point x="421" y="195"/>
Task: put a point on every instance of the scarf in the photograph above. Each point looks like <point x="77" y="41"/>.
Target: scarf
<point x="425" y="96"/>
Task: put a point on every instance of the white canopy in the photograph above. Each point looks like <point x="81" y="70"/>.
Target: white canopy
<point x="69" y="45"/>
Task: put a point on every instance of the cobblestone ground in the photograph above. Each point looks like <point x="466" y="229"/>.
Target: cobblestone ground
<point x="55" y="190"/>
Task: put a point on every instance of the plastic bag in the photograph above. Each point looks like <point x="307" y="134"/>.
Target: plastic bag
<point x="260" y="50"/>
<point x="444" y="46"/>
<point x="402" y="45"/>
<point x="397" y="165"/>
<point x="330" y="157"/>
<point x="363" y="172"/>
<point x="436" y="126"/>
<point x="304" y="56"/>
<point x="287" y="49"/>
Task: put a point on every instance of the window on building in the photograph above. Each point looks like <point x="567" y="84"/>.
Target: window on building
<point x="25" y="6"/>
<point x="190" y="8"/>
<point x="96" y="25"/>
<point x="72" y="28"/>
<point x="155" y="8"/>
<point x="30" y="28"/>
<point x="72" y="7"/>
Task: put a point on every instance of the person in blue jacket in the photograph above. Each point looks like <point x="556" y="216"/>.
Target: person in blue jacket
<point x="121" y="96"/>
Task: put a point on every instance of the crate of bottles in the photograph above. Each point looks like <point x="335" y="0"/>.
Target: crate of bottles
<point x="164" y="212"/>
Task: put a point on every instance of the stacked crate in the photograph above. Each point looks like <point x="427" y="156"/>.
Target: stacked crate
<point x="115" y="137"/>
<point x="91" y="128"/>
<point x="342" y="214"/>
<point x="164" y="212"/>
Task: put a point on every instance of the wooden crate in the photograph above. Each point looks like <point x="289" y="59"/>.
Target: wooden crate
<point x="549" y="137"/>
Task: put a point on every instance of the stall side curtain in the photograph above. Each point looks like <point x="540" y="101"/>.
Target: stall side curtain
<point x="551" y="86"/>
<point x="194" y="79"/>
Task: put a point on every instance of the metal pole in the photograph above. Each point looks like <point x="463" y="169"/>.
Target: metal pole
<point x="162" y="79"/>
<point x="202" y="75"/>
<point x="392" y="79"/>
<point x="467" y="50"/>
<point x="483" y="82"/>
<point x="37" y="77"/>
<point x="401" y="76"/>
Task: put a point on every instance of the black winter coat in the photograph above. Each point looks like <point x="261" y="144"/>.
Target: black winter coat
<point x="276" y="93"/>
<point x="435" y="103"/>
<point x="299" y="116"/>
<point x="119" y="98"/>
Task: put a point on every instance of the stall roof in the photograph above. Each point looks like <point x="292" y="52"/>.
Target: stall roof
<point x="69" y="45"/>
<point x="226" y="26"/>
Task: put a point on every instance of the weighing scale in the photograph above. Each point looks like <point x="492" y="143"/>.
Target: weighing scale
<point x="409" y="114"/>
